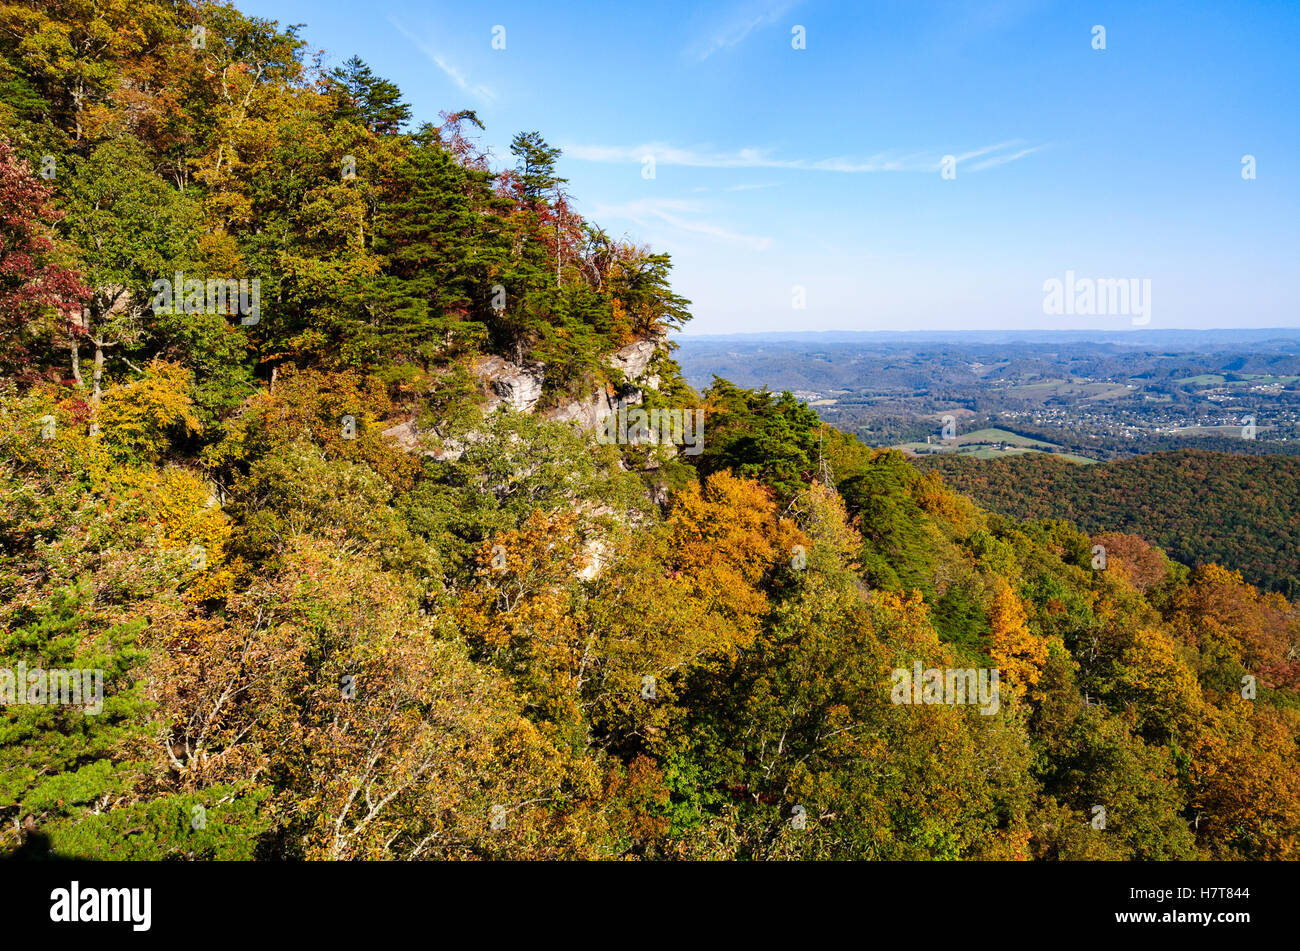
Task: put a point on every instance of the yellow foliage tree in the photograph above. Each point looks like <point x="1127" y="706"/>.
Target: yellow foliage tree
<point x="138" y="418"/>
<point x="1160" y="684"/>
<point x="725" y="537"/>
<point x="1016" y="651"/>
<point x="1245" y="779"/>
<point x="188" y="522"/>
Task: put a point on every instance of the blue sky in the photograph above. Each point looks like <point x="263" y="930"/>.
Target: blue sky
<point x="821" y="167"/>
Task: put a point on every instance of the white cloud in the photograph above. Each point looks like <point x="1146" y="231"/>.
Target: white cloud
<point x="762" y="158"/>
<point x="741" y="22"/>
<point x="742" y="158"/>
<point x="1004" y="159"/>
<point x="670" y="211"/>
<point x="976" y="153"/>
<point x="480" y="92"/>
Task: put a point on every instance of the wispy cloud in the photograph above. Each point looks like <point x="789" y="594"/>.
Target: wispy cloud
<point x="740" y="22"/>
<point x="750" y="188"/>
<point x="741" y="158"/>
<point x="1004" y="159"/>
<point x="676" y="214"/>
<point x="985" y="150"/>
<point x="663" y="154"/>
<point x="479" y="92"/>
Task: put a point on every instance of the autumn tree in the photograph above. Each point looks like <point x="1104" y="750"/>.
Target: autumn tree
<point x="33" y="282"/>
<point x="132" y="229"/>
<point x="365" y="98"/>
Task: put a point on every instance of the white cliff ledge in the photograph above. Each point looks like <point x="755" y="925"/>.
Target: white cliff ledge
<point x="510" y="385"/>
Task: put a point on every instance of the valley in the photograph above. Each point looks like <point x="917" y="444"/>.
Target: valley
<point x="1086" y="397"/>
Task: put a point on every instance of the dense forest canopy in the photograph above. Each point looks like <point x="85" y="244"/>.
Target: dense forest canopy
<point x="348" y="601"/>
<point x="1202" y="507"/>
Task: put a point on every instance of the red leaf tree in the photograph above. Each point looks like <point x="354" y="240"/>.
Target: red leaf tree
<point x="32" y="283"/>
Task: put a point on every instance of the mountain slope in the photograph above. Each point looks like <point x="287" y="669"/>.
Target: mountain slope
<point x="1237" y="510"/>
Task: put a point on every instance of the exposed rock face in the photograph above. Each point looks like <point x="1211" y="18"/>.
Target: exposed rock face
<point x="512" y="385"/>
<point x="519" y="388"/>
<point x="597" y="554"/>
<point x="409" y="438"/>
<point x="591" y="411"/>
<point x="635" y="357"/>
<point x="405" y="435"/>
<point x="451" y="451"/>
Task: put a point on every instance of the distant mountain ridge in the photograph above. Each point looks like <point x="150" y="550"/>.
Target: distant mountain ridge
<point x="1283" y="338"/>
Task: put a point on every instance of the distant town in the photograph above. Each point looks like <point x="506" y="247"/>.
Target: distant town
<point x="1088" y="400"/>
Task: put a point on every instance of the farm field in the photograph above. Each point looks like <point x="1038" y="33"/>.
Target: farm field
<point x="989" y="443"/>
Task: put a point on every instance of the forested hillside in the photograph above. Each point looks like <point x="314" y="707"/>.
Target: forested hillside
<point x="368" y="572"/>
<point x="1236" y="510"/>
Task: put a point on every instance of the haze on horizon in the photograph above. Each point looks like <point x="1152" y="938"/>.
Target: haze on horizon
<point x="820" y="168"/>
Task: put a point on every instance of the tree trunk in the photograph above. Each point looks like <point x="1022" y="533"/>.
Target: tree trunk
<point x="78" y="96"/>
<point x="76" y="360"/>
<point x="98" y="375"/>
<point x="96" y="379"/>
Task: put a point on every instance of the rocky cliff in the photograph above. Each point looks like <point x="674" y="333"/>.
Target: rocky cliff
<point x="519" y="387"/>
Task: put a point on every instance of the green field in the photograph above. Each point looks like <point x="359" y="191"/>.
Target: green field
<point x="989" y="452"/>
<point x="1232" y="431"/>
<point x="1002" y="436"/>
<point x="984" y="444"/>
<point x="1218" y="379"/>
<point x="1253" y="378"/>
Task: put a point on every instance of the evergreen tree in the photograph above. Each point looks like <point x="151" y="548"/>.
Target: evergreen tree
<point x="365" y="98"/>
<point x="444" y="248"/>
<point x="535" y="164"/>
